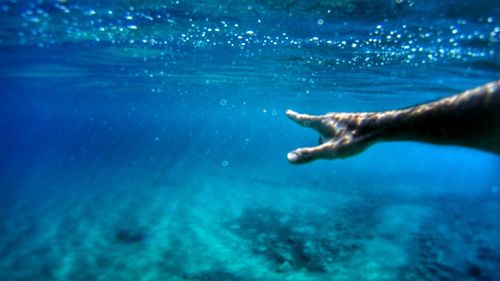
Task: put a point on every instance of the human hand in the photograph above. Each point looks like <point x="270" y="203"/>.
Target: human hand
<point x="341" y="135"/>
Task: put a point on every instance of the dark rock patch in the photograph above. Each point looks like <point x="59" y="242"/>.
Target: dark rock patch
<point x="130" y="236"/>
<point x="474" y="271"/>
<point x="215" y="275"/>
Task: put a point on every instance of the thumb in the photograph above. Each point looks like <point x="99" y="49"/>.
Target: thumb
<point x="307" y="154"/>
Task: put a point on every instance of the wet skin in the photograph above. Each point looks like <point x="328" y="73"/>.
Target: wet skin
<point x="470" y="119"/>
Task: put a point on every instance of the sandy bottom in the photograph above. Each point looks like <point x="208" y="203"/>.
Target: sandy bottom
<point x="233" y="228"/>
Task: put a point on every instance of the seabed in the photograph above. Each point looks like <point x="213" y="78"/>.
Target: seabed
<point x="231" y="228"/>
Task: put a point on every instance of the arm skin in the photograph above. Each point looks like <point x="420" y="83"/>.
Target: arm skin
<point x="470" y="119"/>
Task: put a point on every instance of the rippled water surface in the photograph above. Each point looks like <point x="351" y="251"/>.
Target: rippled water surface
<point x="147" y="140"/>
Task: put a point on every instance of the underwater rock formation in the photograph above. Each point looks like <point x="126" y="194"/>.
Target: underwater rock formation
<point x="294" y="242"/>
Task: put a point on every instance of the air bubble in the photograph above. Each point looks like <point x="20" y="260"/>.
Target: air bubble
<point x="223" y="102"/>
<point x="225" y="163"/>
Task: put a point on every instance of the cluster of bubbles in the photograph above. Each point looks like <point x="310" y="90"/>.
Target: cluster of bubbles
<point x="47" y="23"/>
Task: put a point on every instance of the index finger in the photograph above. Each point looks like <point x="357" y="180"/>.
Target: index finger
<point x="306" y="120"/>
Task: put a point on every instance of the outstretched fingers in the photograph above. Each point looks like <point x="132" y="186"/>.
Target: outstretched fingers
<point x="340" y="137"/>
<point x="316" y="122"/>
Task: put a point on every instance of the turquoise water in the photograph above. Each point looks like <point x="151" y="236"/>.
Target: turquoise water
<point x="147" y="140"/>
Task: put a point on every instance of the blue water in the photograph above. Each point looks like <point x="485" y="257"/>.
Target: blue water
<point x="147" y="140"/>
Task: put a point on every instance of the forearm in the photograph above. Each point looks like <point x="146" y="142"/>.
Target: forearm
<point x="471" y="119"/>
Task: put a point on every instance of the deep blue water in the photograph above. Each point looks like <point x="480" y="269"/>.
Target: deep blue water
<point x="147" y="140"/>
